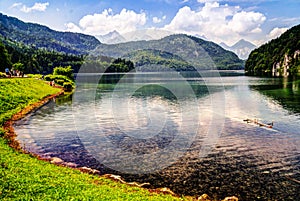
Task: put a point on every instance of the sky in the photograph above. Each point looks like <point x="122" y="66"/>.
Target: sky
<point x="219" y="21"/>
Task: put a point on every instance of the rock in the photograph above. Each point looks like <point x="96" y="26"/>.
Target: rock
<point x="119" y="178"/>
<point x="56" y="160"/>
<point x="233" y="198"/>
<point x="89" y="170"/>
<point x="204" y="197"/>
<point x="165" y="190"/>
<point x="71" y="165"/>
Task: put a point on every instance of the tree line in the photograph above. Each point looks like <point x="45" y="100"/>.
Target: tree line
<point x="33" y="60"/>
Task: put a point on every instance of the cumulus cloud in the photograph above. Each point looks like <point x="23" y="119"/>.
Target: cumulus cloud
<point x="158" y="20"/>
<point x="73" y="27"/>
<point x="276" y="32"/>
<point x="220" y="23"/>
<point x="36" y="7"/>
<point x="107" y="21"/>
<point x="247" y="22"/>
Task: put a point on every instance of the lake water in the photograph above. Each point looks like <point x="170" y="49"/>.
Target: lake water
<point x="183" y="132"/>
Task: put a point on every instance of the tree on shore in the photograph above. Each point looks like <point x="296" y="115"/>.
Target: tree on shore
<point x="5" y="61"/>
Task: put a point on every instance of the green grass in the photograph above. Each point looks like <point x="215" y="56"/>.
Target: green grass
<point x="15" y="94"/>
<point x="23" y="177"/>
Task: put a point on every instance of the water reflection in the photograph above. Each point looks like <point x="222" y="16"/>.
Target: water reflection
<point x="285" y="92"/>
<point x="251" y="162"/>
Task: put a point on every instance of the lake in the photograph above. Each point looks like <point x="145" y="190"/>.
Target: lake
<point x="178" y="130"/>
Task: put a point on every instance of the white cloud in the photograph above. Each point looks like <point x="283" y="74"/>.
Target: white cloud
<point x="107" y="21"/>
<point x="247" y="22"/>
<point x="158" y="20"/>
<point x="16" y="5"/>
<point x="276" y="32"/>
<point x="219" y="23"/>
<point x="36" y="7"/>
<point x="73" y="27"/>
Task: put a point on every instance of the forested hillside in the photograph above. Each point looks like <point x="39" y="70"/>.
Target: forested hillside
<point x="35" y="60"/>
<point x="279" y="57"/>
<point x="180" y="52"/>
<point x="43" y="37"/>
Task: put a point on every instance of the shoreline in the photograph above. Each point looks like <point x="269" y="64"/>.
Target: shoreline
<point x="10" y="136"/>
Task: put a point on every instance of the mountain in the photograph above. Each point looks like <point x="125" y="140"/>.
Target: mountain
<point x="115" y="37"/>
<point x="111" y="38"/>
<point x="242" y="48"/>
<point x="278" y="57"/>
<point x="43" y="37"/>
<point x="174" y="51"/>
<point x="225" y="46"/>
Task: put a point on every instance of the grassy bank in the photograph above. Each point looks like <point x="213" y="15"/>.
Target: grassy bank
<point x="23" y="177"/>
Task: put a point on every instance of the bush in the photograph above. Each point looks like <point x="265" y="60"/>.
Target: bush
<point x="38" y="76"/>
<point x="57" y="77"/>
<point x="68" y="86"/>
<point x="2" y="75"/>
<point x="59" y="82"/>
<point x="66" y="71"/>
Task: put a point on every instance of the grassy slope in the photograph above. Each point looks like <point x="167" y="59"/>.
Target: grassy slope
<point x="25" y="177"/>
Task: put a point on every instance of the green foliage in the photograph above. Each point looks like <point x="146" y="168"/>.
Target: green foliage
<point x="120" y="65"/>
<point x="66" y="71"/>
<point x="57" y="77"/>
<point x="160" y="59"/>
<point x="67" y="86"/>
<point x="38" y="76"/>
<point x="40" y="61"/>
<point x="2" y="75"/>
<point x="59" y="82"/>
<point x="19" y="66"/>
<point x="262" y="59"/>
<point x="103" y="64"/>
<point x="5" y="61"/>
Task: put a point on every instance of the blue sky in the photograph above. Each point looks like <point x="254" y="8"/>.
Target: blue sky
<point x="217" y="20"/>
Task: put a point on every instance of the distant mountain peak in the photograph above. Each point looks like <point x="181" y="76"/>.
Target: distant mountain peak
<point x="242" y="48"/>
<point x="112" y="37"/>
<point x="243" y="43"/>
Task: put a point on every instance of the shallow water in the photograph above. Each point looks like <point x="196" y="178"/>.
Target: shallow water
<point x="186" y="135"/>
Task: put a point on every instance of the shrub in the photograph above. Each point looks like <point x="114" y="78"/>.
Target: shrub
<point x="38" y="76"/>
<point x="59" y="82"/>
<point x="66" y="71"/>
<point x="68" y="86"/>
<point x="2" y="75"/>
<point x="57" y="77"/>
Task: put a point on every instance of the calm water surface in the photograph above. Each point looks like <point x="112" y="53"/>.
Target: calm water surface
<point x="216" y="151"/>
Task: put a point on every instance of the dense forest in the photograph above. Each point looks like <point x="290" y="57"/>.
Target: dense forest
<point x="157" y="60"/>
<point x="35" y="60"/>
<point x="279" y="57"/>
